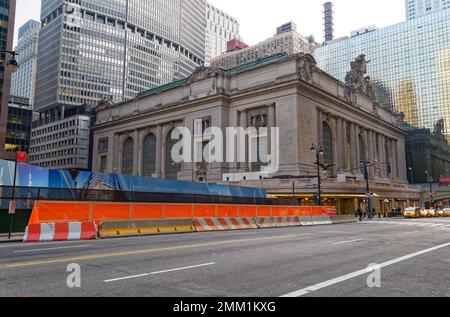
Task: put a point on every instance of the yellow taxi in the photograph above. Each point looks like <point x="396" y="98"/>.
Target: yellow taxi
<point x="412" y="212"/>
<point x="446" y="212"/>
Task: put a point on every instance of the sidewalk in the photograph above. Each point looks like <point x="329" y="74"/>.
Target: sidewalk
<point x="15" y="237"/>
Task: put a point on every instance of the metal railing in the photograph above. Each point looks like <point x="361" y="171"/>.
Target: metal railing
<point x="82" y="195"/>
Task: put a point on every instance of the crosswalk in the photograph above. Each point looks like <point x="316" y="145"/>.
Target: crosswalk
<point x="422" y="224"/>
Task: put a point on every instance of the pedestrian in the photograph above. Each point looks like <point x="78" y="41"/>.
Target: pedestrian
<point x="360" y="214"/>
<point x="369" y="213"/>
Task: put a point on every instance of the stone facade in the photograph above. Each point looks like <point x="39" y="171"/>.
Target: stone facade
<point x="292" y="94"/>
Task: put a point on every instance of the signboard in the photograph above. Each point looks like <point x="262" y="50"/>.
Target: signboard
<point x="12" y="207"/>
<point x="21" y="157"/>
<point x="342" y="178"/>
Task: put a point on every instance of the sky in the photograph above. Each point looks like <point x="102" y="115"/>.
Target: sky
<point x="259" y="18"/>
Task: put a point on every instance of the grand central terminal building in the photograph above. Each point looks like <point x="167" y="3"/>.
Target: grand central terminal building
<point x="310" y="107"/>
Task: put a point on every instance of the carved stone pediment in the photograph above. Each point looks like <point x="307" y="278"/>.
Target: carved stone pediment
<point x="202" y="73"/>
<point x="306" y="67"/>
<point x="356" y="81"/>
<point x="103" y="104"/>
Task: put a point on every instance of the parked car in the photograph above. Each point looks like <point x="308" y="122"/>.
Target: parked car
<point x="412" y="213"/>
<point x="424" y="213"/>
<point x="440" y="213"/>
<point x="446" y="212"/>
<point x="432" y="213"/>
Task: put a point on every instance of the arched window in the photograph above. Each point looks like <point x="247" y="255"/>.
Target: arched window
<point x="259" y="144"/>
<point x="327" y="143"/>
<point x="149" y="155"/>
<point x="387" y="159"/>
<point x="362" y="152"/>
<point x="349" y="148"/>
<point x="171" y="168"/>
<point x="127" y="155"/>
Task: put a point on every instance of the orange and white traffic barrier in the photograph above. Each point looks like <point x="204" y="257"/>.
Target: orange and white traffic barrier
<point x="60" y="231"/>
<point x="223" y="224"/>
<point x="277" y="222"/>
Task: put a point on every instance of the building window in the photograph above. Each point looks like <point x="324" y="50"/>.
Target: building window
<point x="103" y="161"/>
<point x="103" y="145"/>
<point x="362" y="152"/>
<point x="149" y="156"/>
<point x="327" y="142"/>
<point x="259" y="143"/>
<point x="387" y="159"/>
<point x="171" y="168"/>
<point x="127" y="154"/>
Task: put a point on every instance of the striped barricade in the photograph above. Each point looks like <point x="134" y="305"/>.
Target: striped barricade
<point x="45" y="232"/>
<point x="223" y="224"/>
<point x="277" y="222"/>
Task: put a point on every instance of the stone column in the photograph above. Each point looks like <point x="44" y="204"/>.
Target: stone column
<point x="136" y="158"/>
<point x="271" y="123"/>
<point x="394" y="159"/>
<point x="340" y="146"/>
<point x="140" y="153"/>
<point x="353" y="148"/>
<point x="159" y="149"/>
<point x="320" y="127"/>
<point x="357" y="158"/>
<point x="345" y="142"/>
<point x="401" y="160"/>
<point x="388" y="155"/>
<point x="243" y="167"/>
<point x="116" y="153"/>
<point x="371" y="158"/>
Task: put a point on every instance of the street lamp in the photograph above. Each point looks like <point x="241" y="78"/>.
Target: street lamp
<point x="430" y="181"/>
<point x="12" y="64"/>
<point x="411" y="171"/>
<point x="365" y="164"/>
<point x="319" y="152"/>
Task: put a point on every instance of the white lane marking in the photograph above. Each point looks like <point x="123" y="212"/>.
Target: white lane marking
<point x="351" y="241"/>
<point x="51" y="249"/>
<point x="159" y="272"/>
<point x="344" y="278"/>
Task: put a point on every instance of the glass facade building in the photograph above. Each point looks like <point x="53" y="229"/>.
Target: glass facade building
<point x="24" y="79"/>
<point x="418" y="8"/>
<point x="7" y="19"/>
<point x="220" y="28"/>
<point x="409" y="66"/>
<point x="18" y="132"/>
<point x="111" y="50"/>
<point x="114" y="49"/>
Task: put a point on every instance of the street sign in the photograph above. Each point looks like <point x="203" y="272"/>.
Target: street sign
<point x="21" y="157"/>
<point x="12" y="207"/>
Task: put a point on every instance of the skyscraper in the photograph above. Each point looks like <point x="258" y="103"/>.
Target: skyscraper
<point x="409" y="66"/>
<point x="110" y="50"/>
<point x="328" y="21"/>
<point x="286" y="40"/>
<point x="24" y="80"/>
<point x="418" y="8"/>
<point x="7" y="18"/>
<point x="220" y="28"/>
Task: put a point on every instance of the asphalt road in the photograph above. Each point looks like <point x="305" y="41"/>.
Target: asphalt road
<point x="413" y="258"/>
